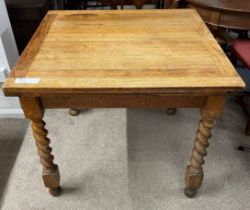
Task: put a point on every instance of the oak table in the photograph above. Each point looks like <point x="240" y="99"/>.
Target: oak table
<point x="146" y="58"/>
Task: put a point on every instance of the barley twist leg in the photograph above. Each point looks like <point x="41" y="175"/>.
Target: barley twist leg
<point x="51" y="175"/>
<point x="194" y="172"/>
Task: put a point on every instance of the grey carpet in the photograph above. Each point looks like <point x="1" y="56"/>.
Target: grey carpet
<point x="12" y="132"/>
<point x="132" y="159"/>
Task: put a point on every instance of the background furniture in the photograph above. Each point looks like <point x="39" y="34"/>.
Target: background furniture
<point x="115" y="4"/>
<point x="241" y="52"/>
<point x="220" y="15"/>
<point x="25" y="16"/>
<point x="233" y="14"/>
<point x="171" y="4"/>
<point x="137" y="3"/>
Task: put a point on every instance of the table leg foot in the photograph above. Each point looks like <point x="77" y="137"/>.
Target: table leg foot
<point x="74" y="112"/>
<point x="55" y="191"/>
<point x="51" y="179"/>
<point x="190" y="193"/>
<point x="171" y="111"/>
<point x="193" y="181"/>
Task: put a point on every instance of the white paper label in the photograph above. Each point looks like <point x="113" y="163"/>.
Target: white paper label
<point x="27" y="80"/>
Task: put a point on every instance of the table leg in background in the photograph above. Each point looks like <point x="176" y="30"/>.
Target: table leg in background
<point x="74" y="112"/>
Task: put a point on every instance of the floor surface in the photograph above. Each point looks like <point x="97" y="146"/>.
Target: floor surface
<point x="127" y="159"/>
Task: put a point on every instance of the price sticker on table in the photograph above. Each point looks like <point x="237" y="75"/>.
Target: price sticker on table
<point x="27" y="80"/>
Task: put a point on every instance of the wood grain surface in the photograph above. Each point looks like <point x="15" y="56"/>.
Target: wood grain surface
<point x="123" y="51"/>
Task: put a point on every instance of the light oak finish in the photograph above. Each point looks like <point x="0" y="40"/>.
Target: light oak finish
<point x="123" y="51"/>
<point x="149" y="58"/>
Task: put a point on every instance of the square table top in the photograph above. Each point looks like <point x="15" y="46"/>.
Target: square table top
<point x="152" y="51"/>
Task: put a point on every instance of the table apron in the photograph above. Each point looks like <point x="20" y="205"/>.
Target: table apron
<point x="121" y="101"/>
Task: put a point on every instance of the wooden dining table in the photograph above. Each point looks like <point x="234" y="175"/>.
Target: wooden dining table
<point x="129" y="59"/>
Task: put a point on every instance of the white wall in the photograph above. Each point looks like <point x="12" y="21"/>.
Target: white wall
<point x="8" y="49"/>
<point x="9" y="106"/>
<point x="4" y="23"/>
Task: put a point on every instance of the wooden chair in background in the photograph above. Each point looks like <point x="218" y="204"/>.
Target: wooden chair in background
<point x="159" y="4"/>
<point x="139" y="4"/>
<point x="241" y="52"/>
<point x="75" y="4"/>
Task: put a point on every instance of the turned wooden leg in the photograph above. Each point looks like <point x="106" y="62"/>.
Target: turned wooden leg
<point x="74" y="112"/>
<point x="34" y="111"/>
<point x="50" y="174"/>
<point x="171" y="111"/>
<point x="194" y="171"/>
